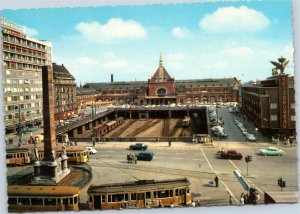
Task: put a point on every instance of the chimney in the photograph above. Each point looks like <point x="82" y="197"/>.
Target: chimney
<point x="111" y="78"/>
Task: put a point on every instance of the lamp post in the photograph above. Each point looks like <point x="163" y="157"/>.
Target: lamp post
<point x="256" y="130"/>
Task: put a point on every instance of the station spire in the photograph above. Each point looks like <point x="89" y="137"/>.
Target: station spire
<point x="160" y="60"/>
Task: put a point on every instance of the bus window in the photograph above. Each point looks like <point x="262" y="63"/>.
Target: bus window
<point x="148" y="195"/>
<point x="50" y="201"/>
<point x="23" y="201"/>
<point x="36" y="201"/>
<point x="103" y="198"/>
<point x="12" y="201"/>
<point x="133" y="196"/>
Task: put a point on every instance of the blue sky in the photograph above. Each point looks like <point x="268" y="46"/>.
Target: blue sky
<point x="197" y="40"/>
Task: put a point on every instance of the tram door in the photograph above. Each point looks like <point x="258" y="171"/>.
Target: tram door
<point x="140" y="200"/>
<point x="97" y="202"/>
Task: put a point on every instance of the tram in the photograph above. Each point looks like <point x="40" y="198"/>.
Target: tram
<point x="42" y="198"/>
<point x="139" y="194"/>
<point x="18" y="156"/>
<point x="76" y="154"/>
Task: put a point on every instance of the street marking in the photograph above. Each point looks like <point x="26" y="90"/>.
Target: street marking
<point x="234" y="165"/>
<point x="227" y="189"/>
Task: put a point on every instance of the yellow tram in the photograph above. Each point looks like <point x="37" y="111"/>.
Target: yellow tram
<point x="140" y="194"/>
<point x="18" y="156"/>
<point x="76" y="154"/>
<point x="42" y="198"/>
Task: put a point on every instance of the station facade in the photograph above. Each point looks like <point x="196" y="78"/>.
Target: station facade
<point x="161" y="88"/>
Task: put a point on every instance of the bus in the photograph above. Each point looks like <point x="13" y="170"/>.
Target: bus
<point x="42" y="198"/>
<point x="76" y="154"/>
<point x="139" y="194"/>
<point x="19" y="156"/>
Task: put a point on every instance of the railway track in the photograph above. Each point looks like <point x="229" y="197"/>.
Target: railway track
<point x="139" y="130"/>
<point x="68" y="179"/>
<point x="123" y="129"/>
<point x="175" y="129"/>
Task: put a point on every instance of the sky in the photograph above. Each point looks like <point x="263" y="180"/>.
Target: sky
<point x="196" y="40"/>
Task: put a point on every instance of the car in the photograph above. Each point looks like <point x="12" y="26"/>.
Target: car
<point x="138" y="146"/>
<point x="148" y="156"/>
<point x="221" y="135"/>
<point x="250" y="137"/>
<point x="231" y="154"/>
<point x="91" y="150"/>
<point x="217" y="128"/>
<point x="269" y="151"/>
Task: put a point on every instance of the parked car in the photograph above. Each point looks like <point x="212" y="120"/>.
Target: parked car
<point x="91" y="150"/>
<point x="138" y="146"/>
<point x="271" y="151"/>
<point x="148" y="156"/>
<point x="231" y="154"/>
<point x="217" y="128"/>
<point x="250" y="137"/>
<point x="221" y="135"/>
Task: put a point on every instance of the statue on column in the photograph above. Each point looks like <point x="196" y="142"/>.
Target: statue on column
<point x="64" y="152"/>
<point x="281" y="65"/>
<point x="53" y="155"/>
<point x="36" y="154"/>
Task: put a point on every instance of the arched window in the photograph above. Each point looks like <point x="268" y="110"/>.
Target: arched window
<point x="161" y="91"/>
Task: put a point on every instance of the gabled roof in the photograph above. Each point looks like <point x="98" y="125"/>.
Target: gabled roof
<point x="60" y="71"/>
<point x="161" y="74"/>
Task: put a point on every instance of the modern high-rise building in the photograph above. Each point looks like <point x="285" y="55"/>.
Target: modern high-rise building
<point x="22" y="61"/>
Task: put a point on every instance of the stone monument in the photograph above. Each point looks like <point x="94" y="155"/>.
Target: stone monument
<point x="52" y="168"/>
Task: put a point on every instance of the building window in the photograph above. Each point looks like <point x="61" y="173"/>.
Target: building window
<point x="292" y="105"/>
<point x="273" y="105"/>
<point x="293" y="118"/>
<point x="273" y="117"/>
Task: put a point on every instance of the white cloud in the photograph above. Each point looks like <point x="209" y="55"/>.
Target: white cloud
<point x="86" y="61"/>
<point x="114" y="30"/>
<point x="232" y="19"/>
<point x="180" y="32"/>
<point x="30" y="31"/>
<point x="238" y="51"/>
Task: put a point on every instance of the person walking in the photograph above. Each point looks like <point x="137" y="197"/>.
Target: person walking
<point x="217" y="181"/>
<point x="257" y="198"/>
<point x="242" y="199"/>
<point x="230" y="200"/>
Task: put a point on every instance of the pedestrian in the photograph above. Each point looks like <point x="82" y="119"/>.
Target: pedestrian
<point x="242" y="199"/>
<point x="230" y="200"/>
<point x="172" y="205"/>
<point x="246" y="198"/>
<point x="257" y="198"/>
<point x="217" y="181"/>
<point x="193" y="204"/>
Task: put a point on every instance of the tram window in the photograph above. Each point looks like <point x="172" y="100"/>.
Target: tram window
<point x="103" y="198"/>
<point x="23" y="201"/>
<point x="36" y="201"/>
<point x="18" y="155"/>
<point x="75" y="200"/>
<point x="117" y="197"/>
<point x="70" y="201"/>
<point x="12" y="200"/>
<point x="65" y="201"/>
<point x="148" y="195"/>
<point x="58" y="201"/>
<point x="126" y="197"/>
<point x="187" y="190"/>
<point x="176" y="192"/>
<point x="50" y="201"/>
<point x="22" y="155"/>
<point x="109" y="198"/>
<point x="133" y="196"/>
<point x="9" y="156"/>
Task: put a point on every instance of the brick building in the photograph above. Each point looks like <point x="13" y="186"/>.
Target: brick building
<point x="271" y="105"/>
<point x="65" y="92"/>
<point x="161" y="88"/>
<point x="22" y="61"/>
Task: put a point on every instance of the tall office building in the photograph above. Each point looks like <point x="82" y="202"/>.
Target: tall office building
<point x="22" y="61"/>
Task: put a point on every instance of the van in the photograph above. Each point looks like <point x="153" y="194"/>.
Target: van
<point x="91" y="150"/>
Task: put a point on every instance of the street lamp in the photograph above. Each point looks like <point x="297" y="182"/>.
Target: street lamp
<point x="256" y="130"/>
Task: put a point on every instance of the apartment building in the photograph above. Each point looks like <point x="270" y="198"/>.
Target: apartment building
<point x="22" y="61"/>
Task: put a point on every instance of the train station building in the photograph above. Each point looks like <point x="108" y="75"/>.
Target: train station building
<point x="163" y="89"/>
